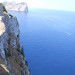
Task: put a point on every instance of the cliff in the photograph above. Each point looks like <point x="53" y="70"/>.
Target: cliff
<point x="16" y="6"/>
<point x="12" y="60"/>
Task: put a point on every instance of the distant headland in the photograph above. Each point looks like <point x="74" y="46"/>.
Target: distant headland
<point x="16" y="6"/>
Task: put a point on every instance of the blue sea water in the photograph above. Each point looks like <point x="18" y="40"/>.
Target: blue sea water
<point x="48" y="38"/>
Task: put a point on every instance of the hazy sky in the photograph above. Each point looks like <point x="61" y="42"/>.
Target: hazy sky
<point x="50" y="4"/>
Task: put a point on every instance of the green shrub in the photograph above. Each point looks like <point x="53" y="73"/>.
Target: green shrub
<point x="26" y="63"/>
<point x="10" y="15"/>
<point x="4" y="9"/>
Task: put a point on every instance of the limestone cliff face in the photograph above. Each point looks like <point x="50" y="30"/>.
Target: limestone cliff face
<point x="12" y="60"/>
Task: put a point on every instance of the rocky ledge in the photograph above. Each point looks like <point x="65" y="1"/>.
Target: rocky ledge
<point x="12" y="60"/>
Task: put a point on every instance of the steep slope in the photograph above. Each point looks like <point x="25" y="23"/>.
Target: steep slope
<point x="12" y="60"/>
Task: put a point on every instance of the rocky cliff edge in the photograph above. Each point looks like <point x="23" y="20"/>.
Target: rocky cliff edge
<point x="12" y="60"/>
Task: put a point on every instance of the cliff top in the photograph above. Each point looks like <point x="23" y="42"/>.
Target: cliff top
<point x="2" y="9"/>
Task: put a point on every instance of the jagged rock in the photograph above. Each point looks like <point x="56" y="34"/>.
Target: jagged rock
<point x="12" y="60"/>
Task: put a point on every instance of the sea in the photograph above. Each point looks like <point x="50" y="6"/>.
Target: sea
<point x="48" y="39"/>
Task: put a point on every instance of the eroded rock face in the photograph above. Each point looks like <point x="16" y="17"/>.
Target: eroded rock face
<point x="12" y="60"/>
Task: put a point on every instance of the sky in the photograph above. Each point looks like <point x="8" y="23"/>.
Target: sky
<point x="68" y="5"/>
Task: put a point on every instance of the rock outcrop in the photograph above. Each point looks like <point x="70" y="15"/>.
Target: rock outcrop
<point x="16" y="6"/>
<point x="12" y="60"/>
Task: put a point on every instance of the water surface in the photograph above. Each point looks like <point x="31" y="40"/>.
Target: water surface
<point x="48" y="38"/>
